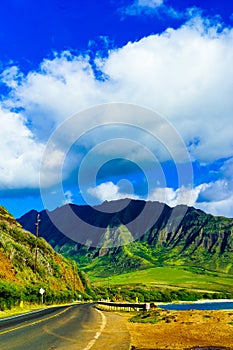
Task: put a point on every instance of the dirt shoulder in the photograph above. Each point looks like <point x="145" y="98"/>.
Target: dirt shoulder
<point x="184" y="330"/>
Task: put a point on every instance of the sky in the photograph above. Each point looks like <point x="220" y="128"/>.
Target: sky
<point x="113" y="99"/>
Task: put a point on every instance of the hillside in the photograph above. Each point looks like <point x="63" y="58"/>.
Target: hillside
<point x="20" y="279"/>
<point x="129" y="235"/>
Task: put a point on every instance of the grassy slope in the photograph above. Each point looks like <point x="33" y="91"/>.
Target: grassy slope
<point x="17" y="257"/>
<point x="154" y="270"/>
<point x="197" y="279"/>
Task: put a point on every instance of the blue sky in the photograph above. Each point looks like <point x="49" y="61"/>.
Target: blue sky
<point x="59" y="59"/>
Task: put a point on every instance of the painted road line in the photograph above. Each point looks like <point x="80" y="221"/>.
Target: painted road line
<point x="97" y="335"/>
<point x="35" y="322"/>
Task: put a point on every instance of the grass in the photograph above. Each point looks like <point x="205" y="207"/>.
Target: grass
<point x="17" y="310"/>
<point x="152" y="316"/>
<point x="146" y="317"/>
<point x="28" y="307"/>
<point x="180" y="277"/>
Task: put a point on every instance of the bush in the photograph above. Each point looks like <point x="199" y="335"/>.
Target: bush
<point x="10" y="295"/>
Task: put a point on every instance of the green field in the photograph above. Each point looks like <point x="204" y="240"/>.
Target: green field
<point x="174" y="277"/>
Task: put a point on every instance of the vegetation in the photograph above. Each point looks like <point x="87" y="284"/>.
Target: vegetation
<point x="154" y="295"/>
<point x="179" y="237"/>
<point x="13" y="294"/>
<point x="152" y="316"/>
<point x="172" y="276"/>
<point x="22" y="274"/>
<point x="184" y="248"/>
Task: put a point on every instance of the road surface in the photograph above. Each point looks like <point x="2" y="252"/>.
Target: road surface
<point x="75" y="327"/>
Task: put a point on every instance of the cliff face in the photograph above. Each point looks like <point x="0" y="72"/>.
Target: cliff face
<point x="129" y="234"/>
<point x="196" y="229"/>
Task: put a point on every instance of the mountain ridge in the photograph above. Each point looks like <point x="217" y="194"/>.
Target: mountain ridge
<point x="151" y="233"/>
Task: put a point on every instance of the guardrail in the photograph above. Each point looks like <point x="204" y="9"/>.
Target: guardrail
<point x="108" y="305"/>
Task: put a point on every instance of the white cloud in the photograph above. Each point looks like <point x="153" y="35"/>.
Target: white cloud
<point x="108" y="191"/>
<point x="173" y="197"/>
<point x="219" y="208"/>
<point x="20" y="153"/>
<point x="217" y="197"/>
<point x="59" y="89"/>
<point x="185" y="74"/>
<point x="149" y="3"/>
<point x="11" y="76"/>
<point x="219" y="190"/>
<point x="227" y="170"/>
<point x="142" y="6"/>
<point x="151" y="7"/>
<point x="68" y="197"/>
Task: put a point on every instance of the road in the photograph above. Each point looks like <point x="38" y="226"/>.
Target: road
<point x="75" y="327"/>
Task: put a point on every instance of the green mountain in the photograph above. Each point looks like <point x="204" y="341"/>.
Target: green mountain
<point x="25" y="267"/>
<point x="127" y="235"/>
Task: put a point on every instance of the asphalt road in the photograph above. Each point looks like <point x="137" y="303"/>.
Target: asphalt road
<point x="76" y="327"/>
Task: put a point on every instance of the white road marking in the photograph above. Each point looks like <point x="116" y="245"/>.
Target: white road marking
<point x="21" y="315"/>
<point x="97" y="335"/>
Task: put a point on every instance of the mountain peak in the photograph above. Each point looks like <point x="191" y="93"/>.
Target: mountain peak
<point x="152" y="229"/>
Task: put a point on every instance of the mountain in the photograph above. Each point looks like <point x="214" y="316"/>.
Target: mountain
<point x="24" y="269"/>
<point x="125" y="235"/>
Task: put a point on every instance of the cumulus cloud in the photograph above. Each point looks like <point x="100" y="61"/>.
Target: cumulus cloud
<point x="220" y="208"/>
<point x="219" y="205"/>
<point x="216" y="197"/>
<point x="171" y="197"/>
<point x="105" y="191"/>
<point x="20" y="153"/>
<point x="108" y="191"/>
<point x="185" y="74"/>
<point x="215" y="190"/>
<point x="61" y="87"/>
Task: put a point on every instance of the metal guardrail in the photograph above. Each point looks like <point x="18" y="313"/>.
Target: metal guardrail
<point x="115" y="305"/>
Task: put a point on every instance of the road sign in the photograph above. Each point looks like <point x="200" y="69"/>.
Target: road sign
<point x="42" y="293"/>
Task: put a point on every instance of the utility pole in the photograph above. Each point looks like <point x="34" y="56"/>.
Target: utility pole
<point x="74" y="281"/>
<point x="37" y="234"/>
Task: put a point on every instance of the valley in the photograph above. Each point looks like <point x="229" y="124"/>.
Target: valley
<point x="174" y="277"/>
<point x="164" y="247"/>
<point x="170" y="261"/>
